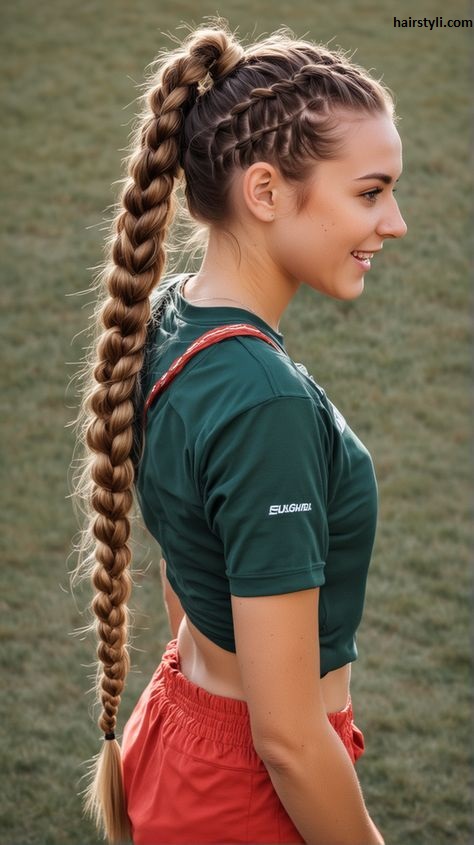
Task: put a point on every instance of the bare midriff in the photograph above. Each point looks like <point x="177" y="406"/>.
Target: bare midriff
<point x="216" y="670"/>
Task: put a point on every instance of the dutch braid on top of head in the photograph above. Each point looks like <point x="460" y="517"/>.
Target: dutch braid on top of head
<point x="282" y="104"/>
<point x="211" y="107"/>
<point x="135" y="265"/>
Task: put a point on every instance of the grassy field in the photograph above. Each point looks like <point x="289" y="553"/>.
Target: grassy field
<point x="395" y="362"/>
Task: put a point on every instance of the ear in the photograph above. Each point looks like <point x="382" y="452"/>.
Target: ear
<point x="261" y="190"/>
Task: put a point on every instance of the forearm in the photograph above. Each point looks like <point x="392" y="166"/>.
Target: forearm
<point x="320" y="791"/>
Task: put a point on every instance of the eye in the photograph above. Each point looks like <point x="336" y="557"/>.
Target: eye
<point x="371" y="196"/>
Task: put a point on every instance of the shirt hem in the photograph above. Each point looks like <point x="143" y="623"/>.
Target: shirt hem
<point x="277" y="583"/>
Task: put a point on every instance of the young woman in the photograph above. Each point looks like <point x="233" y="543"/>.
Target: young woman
<point x="262" y="498"/>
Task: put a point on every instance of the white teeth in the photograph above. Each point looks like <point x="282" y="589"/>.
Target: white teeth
<point x="363" y="255"/>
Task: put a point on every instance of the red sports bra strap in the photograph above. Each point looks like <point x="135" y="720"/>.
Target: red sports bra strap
<point x="202" y="342"/>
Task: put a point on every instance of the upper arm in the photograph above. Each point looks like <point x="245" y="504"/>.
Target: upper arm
<point x="265" y="491"/>
<point x="277" y="644"/>
<point x="265" y="495"/>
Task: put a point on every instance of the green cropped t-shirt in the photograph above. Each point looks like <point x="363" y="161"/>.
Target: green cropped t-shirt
<point x="252" y="482"/>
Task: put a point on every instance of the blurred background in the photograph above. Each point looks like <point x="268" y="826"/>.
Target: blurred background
<point x="395" y="362"/>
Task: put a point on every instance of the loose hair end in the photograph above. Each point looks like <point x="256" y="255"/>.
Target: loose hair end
<point x="104" y="800"/>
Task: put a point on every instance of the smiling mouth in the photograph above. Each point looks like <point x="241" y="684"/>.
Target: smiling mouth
<point x="363" y="259"/>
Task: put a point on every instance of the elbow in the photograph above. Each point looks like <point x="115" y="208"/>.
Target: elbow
<point x="275" y="756"/>
<point x="282" y="751"/>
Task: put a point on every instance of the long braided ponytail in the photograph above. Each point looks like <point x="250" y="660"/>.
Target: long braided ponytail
<point x="135" y="265"/>
<point x="211" y="107"/>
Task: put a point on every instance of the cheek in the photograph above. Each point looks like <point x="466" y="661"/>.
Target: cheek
<point x="306" y="236"/>
<point x="317" y="242"/>
<point x="300" y="248"/>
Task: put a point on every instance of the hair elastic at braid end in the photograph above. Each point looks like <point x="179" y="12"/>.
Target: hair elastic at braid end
<point x="109" y="735"/>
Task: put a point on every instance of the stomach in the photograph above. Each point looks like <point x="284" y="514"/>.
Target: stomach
<point x="216" y="670"/>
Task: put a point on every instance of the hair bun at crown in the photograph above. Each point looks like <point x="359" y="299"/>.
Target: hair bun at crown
<point x="218" y="51"/>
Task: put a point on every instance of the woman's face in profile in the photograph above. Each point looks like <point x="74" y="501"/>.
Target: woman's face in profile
<point x="350" y="211"/>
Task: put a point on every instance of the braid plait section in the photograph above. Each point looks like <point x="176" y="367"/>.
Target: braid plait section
<point x="135" y="265"/>
<point x="267" y="111"/>
<point x="138" y="259"/>
<point x="289" y="109"/>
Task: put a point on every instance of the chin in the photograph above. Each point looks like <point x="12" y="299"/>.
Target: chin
<point x="348" y="293"/>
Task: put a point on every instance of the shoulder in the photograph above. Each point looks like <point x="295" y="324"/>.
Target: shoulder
<point x="243" y="391"/>
<point x="243" y="372"/>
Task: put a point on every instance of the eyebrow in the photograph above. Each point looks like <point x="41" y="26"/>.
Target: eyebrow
<point x="382" y="177"/>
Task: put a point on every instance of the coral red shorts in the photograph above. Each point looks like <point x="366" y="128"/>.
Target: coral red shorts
<point x="191" y="773"/>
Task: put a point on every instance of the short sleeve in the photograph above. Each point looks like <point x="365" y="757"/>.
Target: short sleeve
<point x="264" y="486"/>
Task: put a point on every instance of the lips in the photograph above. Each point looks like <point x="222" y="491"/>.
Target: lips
<point x="363" y="258"/>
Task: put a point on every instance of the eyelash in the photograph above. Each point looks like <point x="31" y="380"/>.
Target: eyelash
<point x="371" y="196"/>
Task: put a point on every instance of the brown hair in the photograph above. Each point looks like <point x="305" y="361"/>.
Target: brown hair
<point x="211" y="107"/>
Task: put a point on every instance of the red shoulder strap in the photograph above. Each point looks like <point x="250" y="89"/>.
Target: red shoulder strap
<point x="207" y="339"/>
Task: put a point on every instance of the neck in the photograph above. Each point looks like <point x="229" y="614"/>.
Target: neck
<point x="248" y="279"/>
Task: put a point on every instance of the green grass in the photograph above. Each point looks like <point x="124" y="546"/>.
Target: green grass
<point x="395" y="362"/>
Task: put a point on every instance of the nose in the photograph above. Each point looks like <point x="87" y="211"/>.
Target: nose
<point x="392" y="224"/>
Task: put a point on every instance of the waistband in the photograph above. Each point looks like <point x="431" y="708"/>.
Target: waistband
<point x="216" y="717"/>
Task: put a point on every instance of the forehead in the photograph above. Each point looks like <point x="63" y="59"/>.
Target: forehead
<point x="369" y="144"/>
